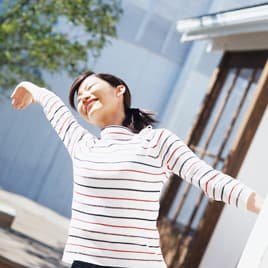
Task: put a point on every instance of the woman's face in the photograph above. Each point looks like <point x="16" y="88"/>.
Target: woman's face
<point x="99" y="103"/>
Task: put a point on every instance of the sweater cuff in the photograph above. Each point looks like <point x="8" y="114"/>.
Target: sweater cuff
<point x="36" y="91"/>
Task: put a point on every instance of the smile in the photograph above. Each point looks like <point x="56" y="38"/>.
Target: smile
<point x="88" y="104"/>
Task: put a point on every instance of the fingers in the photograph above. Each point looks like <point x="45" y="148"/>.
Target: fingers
<point x="13" y="94"/>
<point x="21" y="98"/>
<point x="16" y="104"/>
<point x="19" y="105"/>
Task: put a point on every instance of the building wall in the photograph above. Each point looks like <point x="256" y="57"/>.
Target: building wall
<point x="147" y="54"/>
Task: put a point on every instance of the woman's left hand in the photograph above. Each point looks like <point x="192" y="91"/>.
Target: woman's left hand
<point x="255" y="203"/>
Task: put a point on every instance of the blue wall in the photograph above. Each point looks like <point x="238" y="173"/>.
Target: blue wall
<point x="163" y="74"/>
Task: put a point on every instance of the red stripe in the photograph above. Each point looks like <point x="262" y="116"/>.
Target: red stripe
<point x="156" y="142"/>
<point x="48" y="100"/>
<point x="63" y="124"/>
<point x="128" y="134"/>
<point x="117" y="198"/>
<point x="210" y="180"/>
<point x="174" y="152"/>
<point x="115" y="250"/>
<point x="52" y="106"/>
<point x="128" y="170"/>
<point x="115" y="226"/>
<point x="229" y="198"/>
<point x="191" y="166"/>
<point x="109" y="233"/>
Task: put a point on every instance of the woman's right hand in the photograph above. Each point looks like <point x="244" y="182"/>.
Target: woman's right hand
<point x="21" y="97"/>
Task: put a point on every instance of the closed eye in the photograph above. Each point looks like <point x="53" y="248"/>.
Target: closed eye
<point x="86" y="89"/>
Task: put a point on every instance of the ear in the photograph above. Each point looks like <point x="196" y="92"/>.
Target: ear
<point x="120" y="90"/>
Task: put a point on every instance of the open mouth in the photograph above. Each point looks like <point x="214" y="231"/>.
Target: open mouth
<point x="88" y="104"/>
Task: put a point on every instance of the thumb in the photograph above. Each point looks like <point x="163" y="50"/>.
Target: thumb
<point x="13" y="93"/>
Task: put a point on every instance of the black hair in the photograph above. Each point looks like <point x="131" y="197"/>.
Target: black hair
<point x="136" y="119"/>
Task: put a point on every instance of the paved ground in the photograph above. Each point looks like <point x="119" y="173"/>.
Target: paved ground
<point x="36" y="237"/>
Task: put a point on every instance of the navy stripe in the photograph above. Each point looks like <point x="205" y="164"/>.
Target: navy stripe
<point x="117" y="162"/>
<point x="168" y="149"/>
<point x="119" y="179"/>
<point x="113" y="242"/>
<point x="59" y="119"/>
<point x="120" y="189"/>
<point x="182" y="165"/>
<point x="222" y="191"/>
<point x="214" y="188"/>
<point x="69" y="140"/>
<point x="62" y="106"/>
<point x="135" y="162"/>
<point x="237" y="199"/>
<point x="199" y="182"/>
<point x="113" y="217"/>
<point x="114" y="234"/>
<point x="159" y="153"/>
<point x="114" y="258"/>
<point x="177" y="159"/>
<point x="69" y="126"/>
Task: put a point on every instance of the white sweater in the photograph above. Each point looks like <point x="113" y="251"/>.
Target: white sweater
<point x="117" y="180"/>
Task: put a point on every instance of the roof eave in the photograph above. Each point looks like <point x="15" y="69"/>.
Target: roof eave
<point x="228" y="23"/>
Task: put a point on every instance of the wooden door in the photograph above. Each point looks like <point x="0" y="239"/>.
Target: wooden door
<point x="221" y="135"/>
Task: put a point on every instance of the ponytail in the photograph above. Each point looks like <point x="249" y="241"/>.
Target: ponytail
<point x="136" y="119"/>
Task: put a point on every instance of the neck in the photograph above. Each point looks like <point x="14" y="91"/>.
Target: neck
<point x="113" y="119"/>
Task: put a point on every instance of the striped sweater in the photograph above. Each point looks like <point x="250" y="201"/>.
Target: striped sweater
<point x="117" y="179"/>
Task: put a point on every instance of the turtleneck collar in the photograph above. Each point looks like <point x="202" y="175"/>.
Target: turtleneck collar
<point x="116" y="132"/>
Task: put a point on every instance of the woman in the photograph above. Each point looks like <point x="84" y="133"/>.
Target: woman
<point x="118" y="177"/>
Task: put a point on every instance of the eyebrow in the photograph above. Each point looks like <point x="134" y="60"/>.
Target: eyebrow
<point x="87" y="88"/>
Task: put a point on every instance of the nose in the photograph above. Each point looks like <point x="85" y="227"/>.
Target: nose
<point x="83" y="97"/>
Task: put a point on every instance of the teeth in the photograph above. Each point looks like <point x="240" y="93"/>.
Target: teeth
<point x="88" y="104"/>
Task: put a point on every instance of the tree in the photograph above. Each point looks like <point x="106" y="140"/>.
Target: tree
<point x="32" y="37"/>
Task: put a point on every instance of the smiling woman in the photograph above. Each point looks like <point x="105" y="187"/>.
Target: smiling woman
<point x="119" y="176"/>
<point x="104" y="99"/>
<point x="99" y="103"/>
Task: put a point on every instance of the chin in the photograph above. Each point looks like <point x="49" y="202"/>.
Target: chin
<point x="94" y="121"/>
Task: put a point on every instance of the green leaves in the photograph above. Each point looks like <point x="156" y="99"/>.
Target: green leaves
<point x="54" y="35"/>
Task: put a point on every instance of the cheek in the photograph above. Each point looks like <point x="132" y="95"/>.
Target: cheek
<point x="110" y="101"/>
<point x="79" y="107"/>
<point x="81" y="110"/>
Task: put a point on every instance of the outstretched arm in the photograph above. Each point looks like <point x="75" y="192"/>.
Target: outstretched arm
<point x="61" y="119"/>
<point x="180" y="159"/>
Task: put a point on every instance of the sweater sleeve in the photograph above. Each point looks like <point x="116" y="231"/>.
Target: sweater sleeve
<point x="60" y="117"/>
<point x="180" y="159"/>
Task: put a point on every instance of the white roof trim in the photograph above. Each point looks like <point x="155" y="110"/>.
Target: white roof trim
<point x="241" y="42"/>
<point x="245" y="20"/>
